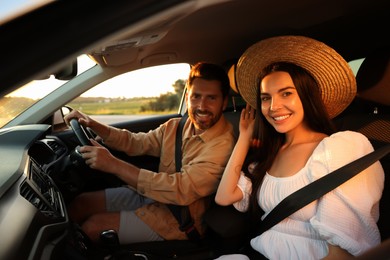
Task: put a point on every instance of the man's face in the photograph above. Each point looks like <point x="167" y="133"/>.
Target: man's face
<point x="205" y="103"/>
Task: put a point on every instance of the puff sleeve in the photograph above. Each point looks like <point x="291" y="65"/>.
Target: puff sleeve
<point x="347" y="215"/>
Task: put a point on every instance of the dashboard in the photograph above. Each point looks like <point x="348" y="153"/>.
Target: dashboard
<point x="33" y="218"/>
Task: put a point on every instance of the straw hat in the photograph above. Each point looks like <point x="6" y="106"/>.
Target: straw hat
<point x="329" y="69"/>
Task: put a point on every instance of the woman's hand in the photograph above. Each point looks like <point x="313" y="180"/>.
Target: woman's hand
<point x="247" y="122"/>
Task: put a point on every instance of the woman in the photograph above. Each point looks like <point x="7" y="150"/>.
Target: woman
<point x="297" y="85"/>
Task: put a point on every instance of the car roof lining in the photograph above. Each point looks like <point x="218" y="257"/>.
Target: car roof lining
<point x="170" y="48"/>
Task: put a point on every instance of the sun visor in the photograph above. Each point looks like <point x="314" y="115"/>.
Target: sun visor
<point x="125" y="51"/>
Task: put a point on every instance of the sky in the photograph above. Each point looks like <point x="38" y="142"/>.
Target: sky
<point x="140" y="83"/>
<point x="9" y="8"/>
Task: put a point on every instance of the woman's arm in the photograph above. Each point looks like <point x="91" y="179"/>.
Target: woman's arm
<point x="228" y="191"/>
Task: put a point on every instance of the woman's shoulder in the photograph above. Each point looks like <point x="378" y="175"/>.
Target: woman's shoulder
<point x="348" y="135"/>
<point x="340" y="149"/>
<point x="345" y="140"/>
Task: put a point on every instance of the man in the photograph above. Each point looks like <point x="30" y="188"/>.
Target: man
<point x="138" y="212"/>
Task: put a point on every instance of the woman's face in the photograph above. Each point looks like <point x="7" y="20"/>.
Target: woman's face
<point x="280" y="102"/>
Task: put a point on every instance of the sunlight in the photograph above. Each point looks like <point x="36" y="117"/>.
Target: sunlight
<point x="148" y="82"/>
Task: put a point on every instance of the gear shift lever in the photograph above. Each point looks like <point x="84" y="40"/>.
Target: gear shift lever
<point x="110" y="239"/>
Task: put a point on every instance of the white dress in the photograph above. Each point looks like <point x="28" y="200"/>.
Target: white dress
<point x="345" y="217"/>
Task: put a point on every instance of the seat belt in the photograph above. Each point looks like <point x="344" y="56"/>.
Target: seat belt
<point x="182" y="213"/>
<point x="318" y="188"/>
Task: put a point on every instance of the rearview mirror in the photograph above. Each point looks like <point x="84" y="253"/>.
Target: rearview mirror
<point x="67" y="72"/>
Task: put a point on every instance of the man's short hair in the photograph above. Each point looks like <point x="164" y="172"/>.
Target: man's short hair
<point x="209" y="71"/>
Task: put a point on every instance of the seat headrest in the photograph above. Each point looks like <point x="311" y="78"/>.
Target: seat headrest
<point x="232" y="78"/>
<point x="373" y="77"/>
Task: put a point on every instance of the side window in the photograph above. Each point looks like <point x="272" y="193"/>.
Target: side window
<point x="355" y="65"/>
<point x="25" y="96"/>
<point x="141" y="93"/>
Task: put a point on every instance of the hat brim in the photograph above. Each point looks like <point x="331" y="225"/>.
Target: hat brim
<point x="332" y="73"/>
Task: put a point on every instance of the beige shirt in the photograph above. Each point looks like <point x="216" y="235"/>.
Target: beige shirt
<point x="204" y="158"/>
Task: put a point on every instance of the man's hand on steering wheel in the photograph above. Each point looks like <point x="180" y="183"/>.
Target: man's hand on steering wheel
<point x="83" y="125"/>
<point x="82" y="134"/>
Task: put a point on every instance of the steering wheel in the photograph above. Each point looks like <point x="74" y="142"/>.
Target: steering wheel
<point x="82" y="134"/>
<point x="68" y="177"/>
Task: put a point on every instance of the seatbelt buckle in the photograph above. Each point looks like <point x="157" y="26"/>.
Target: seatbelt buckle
<point x="191" y="232"/>
<point x="189" y="229"/>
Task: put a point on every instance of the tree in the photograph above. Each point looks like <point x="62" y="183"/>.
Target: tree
<point x="178" y="86"/>
<point x="168" y="101"/>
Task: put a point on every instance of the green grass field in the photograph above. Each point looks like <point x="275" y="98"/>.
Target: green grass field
<point x="12" y="106"/>
<point x="116" y="107"/>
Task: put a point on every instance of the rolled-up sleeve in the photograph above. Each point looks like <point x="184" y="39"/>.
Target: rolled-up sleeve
<point x="245" y="185"/>
<point x="133" y="144"/>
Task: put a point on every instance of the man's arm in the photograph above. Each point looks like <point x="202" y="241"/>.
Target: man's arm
<point x="99" y="157"/>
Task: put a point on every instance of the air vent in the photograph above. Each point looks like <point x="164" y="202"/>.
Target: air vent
<point x="56" y="147"/>
<point x="29" y="194"/>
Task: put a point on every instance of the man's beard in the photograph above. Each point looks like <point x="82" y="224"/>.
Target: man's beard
<point x="196" y="117"/>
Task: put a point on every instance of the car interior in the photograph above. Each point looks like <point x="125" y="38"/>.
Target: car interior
<point x="229" y="231"/>
<point x="41" y="171"/>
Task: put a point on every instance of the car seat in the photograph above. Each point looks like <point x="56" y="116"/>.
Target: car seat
<point x="369" y="114"/>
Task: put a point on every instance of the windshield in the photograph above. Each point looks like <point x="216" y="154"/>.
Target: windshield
<point x="13" y="8"/>
<point x="19" y="100"/>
